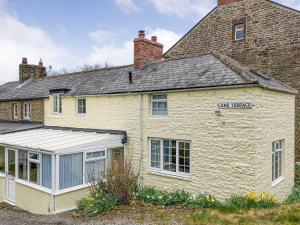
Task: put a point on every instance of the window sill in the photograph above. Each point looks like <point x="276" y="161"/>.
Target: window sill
<point x="171" y="175"/>
<point x="81" y="115"/>
<point x="278" y="181"/>
<point x="67" y="190"/>
<point x="34" y="186"/>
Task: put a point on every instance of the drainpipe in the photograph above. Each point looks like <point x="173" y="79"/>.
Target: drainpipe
<point x="140" y="133"/>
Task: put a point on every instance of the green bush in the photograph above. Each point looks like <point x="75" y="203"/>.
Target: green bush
<point x="203" y="201"/>
<point x="97" y="205"/>
<point x="294" y="197"/>
<point x="250" y="200"/>
<point x="150" y="195"/>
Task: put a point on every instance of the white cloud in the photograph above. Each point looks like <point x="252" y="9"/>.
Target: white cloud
<point x="184" y="8"/>
<point x="102" y="36"/>
<point x="19" y="40"/>
<point x="128" y="5"/>
<point x="113" y="55"/>
<point x="167" y="37"/>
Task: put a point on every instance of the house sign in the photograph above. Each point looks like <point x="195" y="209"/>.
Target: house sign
<point x="235" y="105"/>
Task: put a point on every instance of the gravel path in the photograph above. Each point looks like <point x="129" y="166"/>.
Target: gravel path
<point x="14" y="216"/>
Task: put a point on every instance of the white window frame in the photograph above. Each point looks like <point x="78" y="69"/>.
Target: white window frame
<point x="37" y="162"/>
<point x="57" y="104"/>
<point x="275" y="151"/>
<point x="236" y="30"/>
<point x="15" y="111"/>
<point x="77" y="107"/>
<point x="26" y="110"/>
<point x="161" y="169"/>
<point x="159" y="100"/>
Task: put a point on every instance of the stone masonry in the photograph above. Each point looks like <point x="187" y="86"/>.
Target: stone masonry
<point x="271" y="44"/>
<point x="36" y="110"/>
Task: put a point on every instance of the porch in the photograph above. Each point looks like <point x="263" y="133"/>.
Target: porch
<point x="46" y="170"/>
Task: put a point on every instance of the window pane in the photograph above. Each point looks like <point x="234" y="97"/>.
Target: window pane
<point x="34" y="156"/>
<point x="23" y="160"/>
<point x="155" y="153"/>
<point x="81" y="106"/>
<point x="159" y="105"/>
<point x="46" y="171"/>
<point x="55" y="103"/>
<point x="95" y="170"/>
<point x="60" y="107"/>
<point x="184" y="157"/>
<point x="2" y="159"/>
<point x="11" y="163"/>
<point x="239" y="31"/>
<point x="169" y="155"/>
<point x="34" y="172"/>
<point x="92" y="155"/>
<point x="70" y="170"/>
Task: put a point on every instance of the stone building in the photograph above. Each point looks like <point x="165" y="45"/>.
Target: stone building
<point x="13" y="107"/>
<point x="258" y="33"/>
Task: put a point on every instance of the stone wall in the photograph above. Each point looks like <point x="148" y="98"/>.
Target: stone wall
<point x="272" y="43"/>
<point x="36" y="110"/>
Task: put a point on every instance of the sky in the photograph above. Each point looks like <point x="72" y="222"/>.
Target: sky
<point x="68" y="34"/>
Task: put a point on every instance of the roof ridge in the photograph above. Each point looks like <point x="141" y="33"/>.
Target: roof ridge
<point x="241" y="70"/>
<point x="89" y="71"/>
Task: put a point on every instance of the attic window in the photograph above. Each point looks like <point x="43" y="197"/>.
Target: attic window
<point x="239" y="29"/>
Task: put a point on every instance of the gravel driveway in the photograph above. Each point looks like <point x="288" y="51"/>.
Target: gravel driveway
<point x="13" y="216"/>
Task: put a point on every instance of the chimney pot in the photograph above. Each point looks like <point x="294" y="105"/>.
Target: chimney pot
<point x="154" y="39"/>
<point x="24" y="60"/>
<point x="142" y="34"/>
<point x="41" y="62"/>
<point x="146" y="50"/>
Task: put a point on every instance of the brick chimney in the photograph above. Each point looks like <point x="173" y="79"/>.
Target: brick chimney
<point x="27" y="71"/>
<point x="225" y="2"/>
<point x="146" y="50"/>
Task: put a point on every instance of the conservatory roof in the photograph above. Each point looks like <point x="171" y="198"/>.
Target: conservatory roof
<point x="62" y="141"/>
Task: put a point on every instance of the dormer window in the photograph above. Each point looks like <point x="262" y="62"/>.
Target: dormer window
<point x="57" y="103"/>
<point x="239" y="29"/>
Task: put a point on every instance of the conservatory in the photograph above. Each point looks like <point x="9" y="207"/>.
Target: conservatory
<point x="46" y="170"/>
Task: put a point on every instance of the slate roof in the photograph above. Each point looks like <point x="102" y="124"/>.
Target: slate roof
<point x="9" y="127"/>
<point x="208" y="71"/>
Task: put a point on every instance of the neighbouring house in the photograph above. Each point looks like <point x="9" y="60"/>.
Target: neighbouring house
<point x="203" y="124"/>
<point x="15" y="107"/>
<point x="258" y="33"/>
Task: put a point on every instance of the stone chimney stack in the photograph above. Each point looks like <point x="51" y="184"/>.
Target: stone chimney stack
<point x="27" y="71"/>
<point x="146" y="50"/>
<point x="225" y="2"/>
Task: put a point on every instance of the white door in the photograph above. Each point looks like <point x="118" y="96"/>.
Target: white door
<point x="11" y="176"/>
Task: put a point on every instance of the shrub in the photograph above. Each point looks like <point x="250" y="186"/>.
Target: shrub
<point x="150" y="195"/>
<point x="294" y="196"/>
<point x="203" y="201"/>
<point x="251" y="200"/>
<point x="121" y="180"/>
<point x="97" y="205"/>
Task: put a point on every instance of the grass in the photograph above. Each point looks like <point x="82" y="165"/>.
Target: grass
<point x="147" y="214"/>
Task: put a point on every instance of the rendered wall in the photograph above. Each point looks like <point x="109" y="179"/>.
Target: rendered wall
<point x="67" y="201"/>
<point x="33" y="200"/>
<point x="226" y="150"/>
<point x="2" y="189"/>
